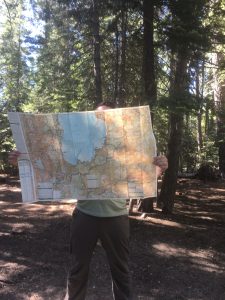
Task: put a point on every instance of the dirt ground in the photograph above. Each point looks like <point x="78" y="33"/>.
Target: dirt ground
<point x="176" y="257"/>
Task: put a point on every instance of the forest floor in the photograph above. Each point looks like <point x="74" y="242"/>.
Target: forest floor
<point x="177" y="257"/>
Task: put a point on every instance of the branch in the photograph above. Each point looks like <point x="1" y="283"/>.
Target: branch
<point x="9" y="15"/>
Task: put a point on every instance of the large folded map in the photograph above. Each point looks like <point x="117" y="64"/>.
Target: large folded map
<point x="85" y="155"/>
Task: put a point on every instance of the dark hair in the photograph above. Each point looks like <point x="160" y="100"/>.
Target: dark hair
<point x="106" y="103"/>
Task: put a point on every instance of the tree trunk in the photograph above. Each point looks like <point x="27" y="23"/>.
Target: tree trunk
<point x="168" y="189"/>
<point x="178" y="86"/>
<point x="199" y="116"/>
<point x="150" y="92"/>
<point x="219" y="103"/>
<point x="97" y="56"/>
<point x="122" y="90"/>
<point x="116" y="100"/>
<point x="149" y="83"/>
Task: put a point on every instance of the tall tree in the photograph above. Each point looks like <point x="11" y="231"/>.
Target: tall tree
<point x="219" y="104"/>
<point x="97" y="50"/>
<point x="14" y="68"/>
<point x="149" y="83"/>
<point x="122" y="85"/>
<point x="185" y="36"/>
<point x="178" y="88"/>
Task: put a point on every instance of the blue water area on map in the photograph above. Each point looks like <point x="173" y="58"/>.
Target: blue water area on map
<point x="83" y="133"/>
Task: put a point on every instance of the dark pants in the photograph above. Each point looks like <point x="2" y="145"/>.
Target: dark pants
<point x="114" y="235"/>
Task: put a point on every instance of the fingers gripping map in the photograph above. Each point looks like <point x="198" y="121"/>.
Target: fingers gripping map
<point x="85" y="155"/>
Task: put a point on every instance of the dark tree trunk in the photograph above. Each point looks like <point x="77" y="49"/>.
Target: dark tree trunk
<point x="116" y="100"/>
<point x="199" y="116"/>
<point x="122" y="90"/>
<point x="178" y="86"/>
<point x="96" y="46"/>
<point x="168" y="189"/>
<point x="150" y="93"/>
<point x="149" y="83"/>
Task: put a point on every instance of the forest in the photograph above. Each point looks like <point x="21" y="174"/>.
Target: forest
<point x="62" y="56"/>
<point x="70" y="55"/>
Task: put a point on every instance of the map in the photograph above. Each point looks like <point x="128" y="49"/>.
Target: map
<point x="91" y="155"/>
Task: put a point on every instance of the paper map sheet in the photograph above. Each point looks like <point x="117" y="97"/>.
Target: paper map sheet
<point x="85" y="155"/>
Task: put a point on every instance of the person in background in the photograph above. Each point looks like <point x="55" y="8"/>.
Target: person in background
<point x="108" y="222"/>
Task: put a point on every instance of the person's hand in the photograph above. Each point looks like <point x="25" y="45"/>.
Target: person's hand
<point x="161" y="163"/>
<point x="13" y="156"/>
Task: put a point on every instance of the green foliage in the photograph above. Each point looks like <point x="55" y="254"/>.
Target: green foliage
<point x="14" y="70"/>
<point x="53" y="71"/>
<point x="160" y="129"/>
<point x="185" y="28"/>
<point x="181" y="103"/>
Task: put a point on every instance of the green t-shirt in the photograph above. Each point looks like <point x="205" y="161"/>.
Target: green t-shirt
<point x="103" y="208"/>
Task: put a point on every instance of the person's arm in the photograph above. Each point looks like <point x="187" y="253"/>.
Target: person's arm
<point x="13" y="156"/>
<point x="161" y="163"/>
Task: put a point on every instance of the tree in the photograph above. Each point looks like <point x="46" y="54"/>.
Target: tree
<point x="149" y="83"/>
<point x="185" y="35"/>
<point x="178" y="88"/>
<point x="219" y="104"/>
<point x="14" y="68"/>
<point x="96" y="47"/>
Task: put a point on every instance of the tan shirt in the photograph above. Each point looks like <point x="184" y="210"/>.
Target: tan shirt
<point x="103" y="208"/>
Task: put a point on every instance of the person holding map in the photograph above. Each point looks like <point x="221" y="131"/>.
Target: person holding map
<point x="104" y="220"/>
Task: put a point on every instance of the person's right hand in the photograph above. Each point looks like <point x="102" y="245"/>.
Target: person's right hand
<point x="13" y="156"/>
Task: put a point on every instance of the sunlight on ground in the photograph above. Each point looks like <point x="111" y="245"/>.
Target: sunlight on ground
<point x="13" y="265"/>
<point x="42" y="208"/>
<point x="9" y="269"/>
<point x="34" y="296"/>
<point x="204" y="215"/>
<point x="195" y="197"/>
<point x="216" y="197"/>
<point x="5" y="188"/>
<point x="10" y="210"/>
<point x="48" y="208"/>
<point x="200" y="258"/>
<point x="20" y="226"/>
<point x="217" y="189"/>
<point x="165" y="222"/>
<point x="207" y="218"/>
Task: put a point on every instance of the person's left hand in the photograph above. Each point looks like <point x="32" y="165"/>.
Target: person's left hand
<point x="161" y="163"/>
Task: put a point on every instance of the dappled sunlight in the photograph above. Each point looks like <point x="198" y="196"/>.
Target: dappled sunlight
<point x="14" y="228"/>
<point x="198" y="213"/>
<point x="203" y="215"/>
<point x="21" y="226"/>
<point x="215" y="197"/>
<point x="183" y="247"/>
<point x="207" y="218"/>
<point x="51" y="290"/>
<point x="5" y="189"/>
<point x="35" y="296"/>
<point x="10" y="210"/>
<point x="34" y="210"/>
<point x="13" y="265"/>
<point x="11" y="270"/>
<point x="49" y="209"/>
<point x="194" y="197"/>
<point x="217" y="189"/>
<point x="203" y="259"/>
<point x="165" y="223"/>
